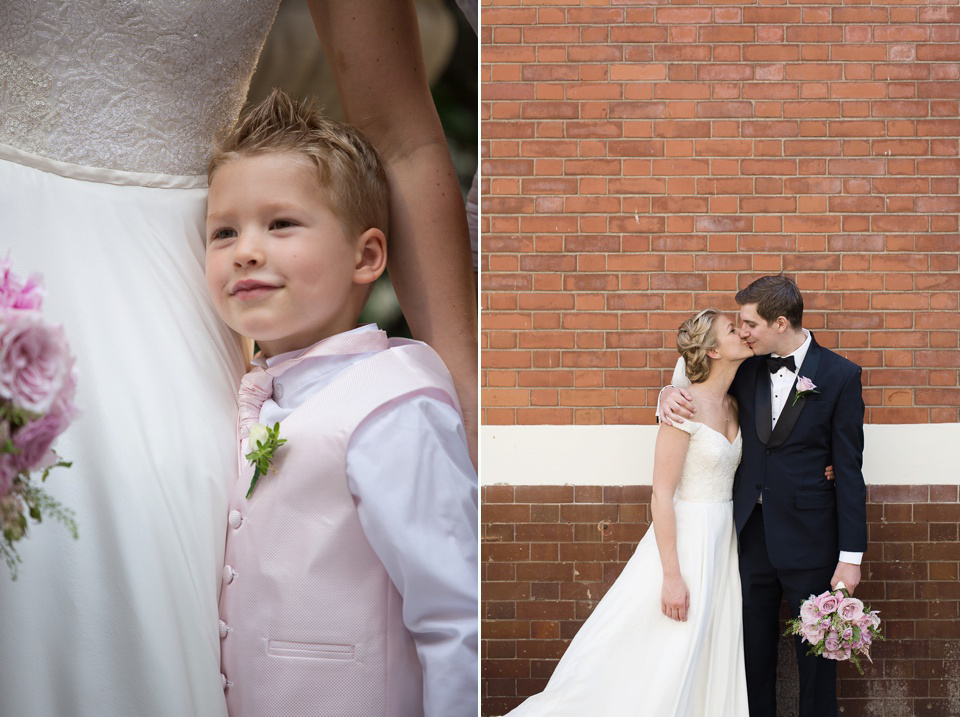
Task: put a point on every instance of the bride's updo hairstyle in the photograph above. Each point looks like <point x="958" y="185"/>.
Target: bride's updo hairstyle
<point x="694" y="338"/>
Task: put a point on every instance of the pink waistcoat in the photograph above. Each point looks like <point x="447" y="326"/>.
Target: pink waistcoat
<point x="311" y="623"/>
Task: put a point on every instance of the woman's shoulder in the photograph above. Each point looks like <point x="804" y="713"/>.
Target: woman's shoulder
<point x="688" y="426"/>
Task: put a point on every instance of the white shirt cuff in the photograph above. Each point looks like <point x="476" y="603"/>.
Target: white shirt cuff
<point x="659" y="395"/>
<point x="852" y="558"/>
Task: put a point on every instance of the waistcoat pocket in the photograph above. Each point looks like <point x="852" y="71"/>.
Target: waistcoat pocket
<point x="310" y="650"/>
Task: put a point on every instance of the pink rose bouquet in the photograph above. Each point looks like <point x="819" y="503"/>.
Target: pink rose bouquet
<point x="37" y="385"/>
<point x="837" y="626"/>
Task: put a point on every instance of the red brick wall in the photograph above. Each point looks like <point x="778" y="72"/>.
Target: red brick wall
<point x="642" y="161"/>
<point x="550" y="553"/>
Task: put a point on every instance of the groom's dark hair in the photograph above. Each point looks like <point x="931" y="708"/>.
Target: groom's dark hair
<point x="774" y="296"/>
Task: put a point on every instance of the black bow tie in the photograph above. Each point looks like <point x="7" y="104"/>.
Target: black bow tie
<point x="775" y="363"/>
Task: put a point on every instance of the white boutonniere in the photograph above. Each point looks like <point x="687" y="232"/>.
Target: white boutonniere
<point x="266" y="441"/>
<point x="804" y="388"/>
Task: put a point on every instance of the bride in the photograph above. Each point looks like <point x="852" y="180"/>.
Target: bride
<point x="108" y="111"/>
<point x="666" y="640"/>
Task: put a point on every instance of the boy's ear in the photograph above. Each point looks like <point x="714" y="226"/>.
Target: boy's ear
<point x="371" y="256"/>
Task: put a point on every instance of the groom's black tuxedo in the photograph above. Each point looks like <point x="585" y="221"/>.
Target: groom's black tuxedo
<point x="790" y="545"/>
<point x="808" y="519"/>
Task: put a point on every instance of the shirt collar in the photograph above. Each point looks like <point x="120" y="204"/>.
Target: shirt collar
<point x="274" y="361"/>
<point x="299" y="374"/>
<point x="801" y="352"/>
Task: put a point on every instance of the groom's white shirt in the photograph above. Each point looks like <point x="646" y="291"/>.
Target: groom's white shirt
<point x="782" y="381"/>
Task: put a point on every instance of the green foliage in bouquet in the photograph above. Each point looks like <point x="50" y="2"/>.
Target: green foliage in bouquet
<point x="26" y="500"/>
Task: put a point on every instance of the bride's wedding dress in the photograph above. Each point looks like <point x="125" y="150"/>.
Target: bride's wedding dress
<point x="107" y="112"/>
<point x="630" y="660"/>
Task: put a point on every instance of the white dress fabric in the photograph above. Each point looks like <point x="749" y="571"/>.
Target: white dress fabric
<point x="630" y="660"/>
<point x="107" y="114"/>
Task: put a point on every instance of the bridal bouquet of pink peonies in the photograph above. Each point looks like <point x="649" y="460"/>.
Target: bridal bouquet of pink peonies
<point x="37" y="385"/>
<point x="837" y="626"/>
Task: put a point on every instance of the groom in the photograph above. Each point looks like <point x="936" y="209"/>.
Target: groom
<point x="801" y="409"/>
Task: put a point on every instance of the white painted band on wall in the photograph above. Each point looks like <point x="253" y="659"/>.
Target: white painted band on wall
<point x="914" y="454"/>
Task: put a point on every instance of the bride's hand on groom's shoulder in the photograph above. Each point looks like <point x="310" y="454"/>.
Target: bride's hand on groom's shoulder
<point x="676" y="404"/>
<point x="675" y="598"/>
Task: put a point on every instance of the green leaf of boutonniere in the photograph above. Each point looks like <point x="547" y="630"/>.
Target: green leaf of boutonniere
<point x="805" y="387"/>
<point x="266" y="442"/>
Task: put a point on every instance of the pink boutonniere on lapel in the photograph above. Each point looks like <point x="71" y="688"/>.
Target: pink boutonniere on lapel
<point x="804" y="388"/>
<point x="266" y="442"/>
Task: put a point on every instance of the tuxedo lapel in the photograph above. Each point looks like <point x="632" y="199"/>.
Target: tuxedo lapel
<point x="763" y="408"/>
<point x="791" y="411"/>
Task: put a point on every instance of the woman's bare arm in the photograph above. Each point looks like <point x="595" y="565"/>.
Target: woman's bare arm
<point x="373" y="47"/>
<point x="668" y="459"/>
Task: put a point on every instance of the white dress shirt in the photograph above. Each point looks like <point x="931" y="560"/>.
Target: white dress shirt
<point x="410" y="474"/>
<point x="782" y="381"/>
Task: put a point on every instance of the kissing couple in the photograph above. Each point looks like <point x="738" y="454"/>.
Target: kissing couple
<point x="746" y="511"/>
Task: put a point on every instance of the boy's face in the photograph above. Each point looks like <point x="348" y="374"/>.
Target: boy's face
<point x="279" y="265"/>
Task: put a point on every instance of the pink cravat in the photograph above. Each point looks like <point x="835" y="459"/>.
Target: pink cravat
<point x="255" y="388"/>
<point x="257" y="385"/>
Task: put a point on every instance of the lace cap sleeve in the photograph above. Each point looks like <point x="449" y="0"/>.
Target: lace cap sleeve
<point x="688" y="426"/>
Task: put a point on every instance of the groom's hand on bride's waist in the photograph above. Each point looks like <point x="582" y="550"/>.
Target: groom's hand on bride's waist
<point x="676" y="404"/>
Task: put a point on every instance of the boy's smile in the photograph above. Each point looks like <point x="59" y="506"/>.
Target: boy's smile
<point x="250" y="289"/>
<point x="280" y="267"/>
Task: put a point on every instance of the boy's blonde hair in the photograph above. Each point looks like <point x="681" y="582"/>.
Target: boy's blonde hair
<point x="348" y="167"/>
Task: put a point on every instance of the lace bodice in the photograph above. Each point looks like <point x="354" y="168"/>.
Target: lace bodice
<point x="137" y="85"/>
<point x="709" y="466"/>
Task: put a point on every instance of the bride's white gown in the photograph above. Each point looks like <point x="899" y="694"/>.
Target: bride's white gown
<point x="107" y="111"/>
<point x="628" y="659"/>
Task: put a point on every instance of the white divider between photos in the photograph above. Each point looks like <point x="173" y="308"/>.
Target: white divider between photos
<point x="925" y="454"/>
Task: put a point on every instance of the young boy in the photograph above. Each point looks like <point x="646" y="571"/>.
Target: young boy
<point x="350" y="584"/>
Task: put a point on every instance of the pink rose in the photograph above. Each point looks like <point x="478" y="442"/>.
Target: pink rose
<point x="34" y="361"/>
<point x="851" y="609"/>
<point x="17" y="294"/>
<point x="827" y="603"/>
<point x="805" y="384"/>
<point x="35" y="438"/>
<point x="839" y="654"/>
<point x="809" y="613"/>
<point x="812" y="634"/>
<point x="832" y="643"/>
<point x="63" y="403"/>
